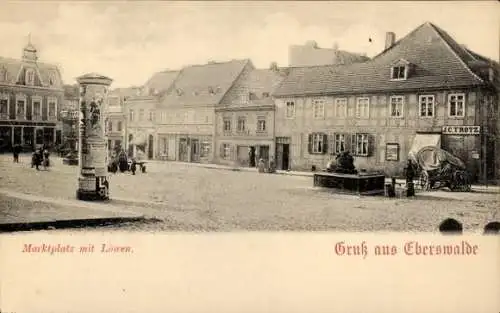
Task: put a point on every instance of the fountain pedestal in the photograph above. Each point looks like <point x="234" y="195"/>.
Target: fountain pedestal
<point x="359" y="184"/>
<point x="92" y="143"/>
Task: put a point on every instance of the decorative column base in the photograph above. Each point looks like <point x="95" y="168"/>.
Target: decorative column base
<point x="93" y="189"/>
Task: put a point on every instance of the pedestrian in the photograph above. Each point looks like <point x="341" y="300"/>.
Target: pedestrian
<point x="45" y="156"/>
<point x="133" y="167"/>
<point x="15" y="151"/>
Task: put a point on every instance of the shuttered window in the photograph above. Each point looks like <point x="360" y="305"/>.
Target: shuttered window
<point x="317" y="143"/>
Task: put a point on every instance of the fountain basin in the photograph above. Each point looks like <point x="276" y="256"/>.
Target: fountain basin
<point x="359" y="184"/>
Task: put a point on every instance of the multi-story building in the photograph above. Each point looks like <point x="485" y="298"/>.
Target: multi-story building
<point x="31" y="93"/>
<point x="244" y="123"/>
<point x="424" y="89"/>
<point x="116" y="120"/>
<point x="312" y="55"/>
<point x="186" y="112"/>
<point x="141" y="132"/>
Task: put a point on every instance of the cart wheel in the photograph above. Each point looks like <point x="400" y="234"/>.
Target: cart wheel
<point x="424" y="181"/>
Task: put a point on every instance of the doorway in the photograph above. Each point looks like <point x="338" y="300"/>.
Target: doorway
<point x="150" y="147"/>
<point x="195" y="150"/>
<point x="251" y="157"/>
<point x="183" y="147"/>
<point x="285" y="161"/>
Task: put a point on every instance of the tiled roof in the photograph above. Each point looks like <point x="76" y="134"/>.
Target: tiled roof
<point x="438" y="61"/>
<point x="262" y="81"/>
<point x="160" y="82"/>
<point x="13" y="67"/>
<point x="194" y="84"/>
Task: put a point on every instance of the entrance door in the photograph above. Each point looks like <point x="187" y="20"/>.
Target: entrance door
<point x="150" y="147"/>
<point x="183" y="147"/>
<point x="251" y="157"/>
<point x="195" y="150"/>
<point x="264" y="152"/>
<point x="286" y="157"/>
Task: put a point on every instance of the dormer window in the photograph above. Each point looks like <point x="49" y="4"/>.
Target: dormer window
<point x="52" y="79"/>
<point x="30" y="77"/>
<point x="265" y="94"/>
<point x="400" y="70"/>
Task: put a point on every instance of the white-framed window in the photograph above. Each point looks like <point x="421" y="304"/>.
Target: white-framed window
<point x="290" y="109"/>
<point x="318" y="108"/>
<point x="226" y="151"/>
<point x="227" y="124"/>
<point x="30" y="77"/>
<point x="4" y="106"/>
<point x="141" y="114"/>
<point x="399" y="72"/>
<point x="110" y="126"/>
<point x="363" y="107"/>
<point x="456" y="105"/>
<point x="151" y="115"/>
<point x="52" y="79"/>
<point x="52" y="103"/>
<point x="396" y="106"/>
<point x="426" y="105"/>
<point x="241" y="126"/>
<point x="36" y="103"/>
<point x="119" y="126"/>
<point x="131" y="115"/>
<point x="261" y="124"/>
<point x="339" y="141"/>
<point x="20" y="106"/>
<point x="244" y="98"/>
<point x="341" y="107"/>
<point x="361" y="144"/>
<point x="318" y="143"/>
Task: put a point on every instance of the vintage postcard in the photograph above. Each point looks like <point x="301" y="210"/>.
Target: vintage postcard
<point x="249" y="156"/>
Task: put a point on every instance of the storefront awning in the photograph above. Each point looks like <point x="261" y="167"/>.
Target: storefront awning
<point x="424" y="140"/>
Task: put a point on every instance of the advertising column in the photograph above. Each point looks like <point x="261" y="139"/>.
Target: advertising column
<point x="92" y="151"/>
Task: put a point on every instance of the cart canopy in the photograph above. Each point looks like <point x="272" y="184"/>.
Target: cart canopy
<point x="431" y="158"/>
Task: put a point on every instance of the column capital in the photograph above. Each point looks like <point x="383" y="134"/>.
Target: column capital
<point x="94" y="79"/>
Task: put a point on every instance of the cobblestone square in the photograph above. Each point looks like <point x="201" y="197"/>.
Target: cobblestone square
<point x="186" y="197"/>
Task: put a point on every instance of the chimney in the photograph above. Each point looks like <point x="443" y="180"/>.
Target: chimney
<point x="390" y="39"/>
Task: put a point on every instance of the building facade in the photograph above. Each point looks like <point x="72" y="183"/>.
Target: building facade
<point x="423" y="90"/>
<point x="141" y="132"/>
<point x="31" y="94"/>
<point x="310" y="54"/>
<point x="186" y="113"/>
<point x="244" y="120"/>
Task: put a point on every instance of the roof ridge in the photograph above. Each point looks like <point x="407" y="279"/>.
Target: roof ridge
<point x="438" y="30"/>
<point x="401" y="39"/>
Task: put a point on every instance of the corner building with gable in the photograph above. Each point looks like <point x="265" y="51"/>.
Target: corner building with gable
<point x="424" y="89"/>
<point x="31" y="94"/>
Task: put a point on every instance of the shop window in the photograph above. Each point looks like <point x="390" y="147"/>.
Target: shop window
<point x="290" y="109"/>
<point x="456" y="105"/>
<point x="397" y="105"/>
<point x="317" y="143"/>
<point x="426" y="105"/>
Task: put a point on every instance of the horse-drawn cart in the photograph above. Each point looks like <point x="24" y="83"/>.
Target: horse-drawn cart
<point x="438" y="168"/>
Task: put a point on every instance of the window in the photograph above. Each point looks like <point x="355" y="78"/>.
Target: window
<point x="30" y="77"/>
<point x="52" y="108"/>
<point x="4" y="106"/>
<point x="3" y="74"/>
<point x="456" y="105"/>
<point x="37" y="109"/>
<point x="319" y="108"/>
<point x="245" y="98"/>
<point x="241" y="124"/>
<point x="317" y="143"/>
<point x="361" y="144"/>
<point x="339" y="143"/>
<point x="363" y="108"/>
<point x="341" y="107"/>
<point x="110" y="126"/>
<point x="290" y="109"/>
<point x="265" y="94"/>
<point x="164" y="146"/>
<point x="52" y="79"/>
<point x="398" y="72"/>
<point x="131" y="115"/>
<point x="151" y="115"/>
<point x="226" y="151"/>
<point x="141" y="114"/>
<point x="205" y="149"/>
<point x="119" y="126"/>
<point x="227" y="125"/>
<point x="20" y="107"/>
<point x="261" y="124"/>
<point x="396" y="108"/>
<point x="426" y="106"/>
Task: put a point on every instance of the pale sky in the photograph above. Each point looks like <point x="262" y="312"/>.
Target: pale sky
<point x="129" y="41"/>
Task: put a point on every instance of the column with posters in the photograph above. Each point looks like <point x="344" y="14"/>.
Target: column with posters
<point x="92" y="180"/>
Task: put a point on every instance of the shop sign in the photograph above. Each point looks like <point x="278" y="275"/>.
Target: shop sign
<point x="461" y="130"/>
<point x="392" y="152"/>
